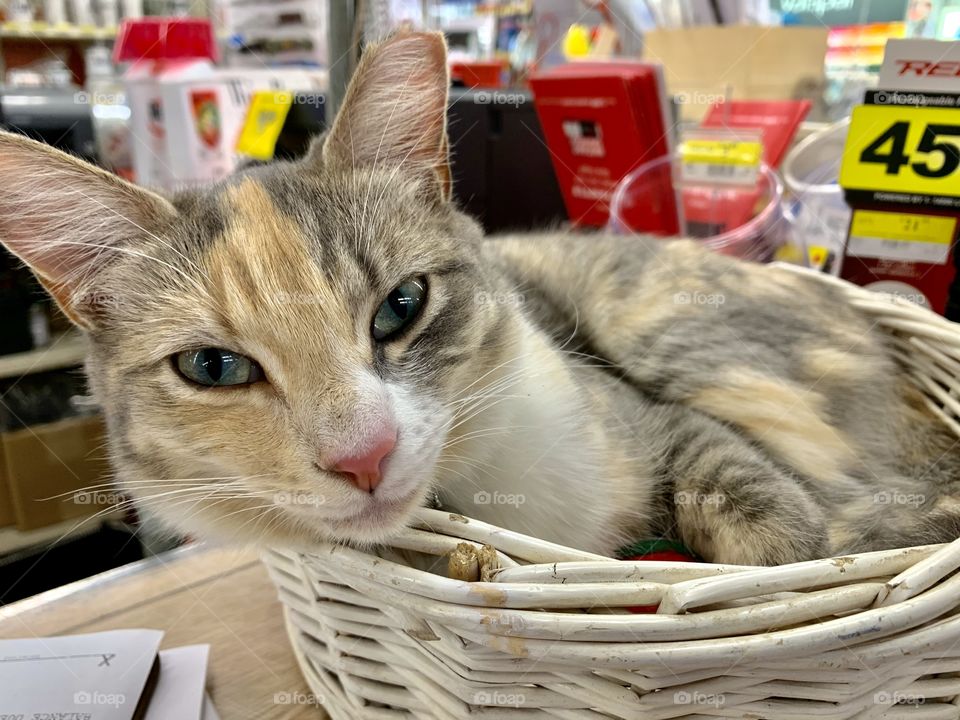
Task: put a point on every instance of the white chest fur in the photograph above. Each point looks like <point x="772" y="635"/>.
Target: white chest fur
<point x="530" y="457"/>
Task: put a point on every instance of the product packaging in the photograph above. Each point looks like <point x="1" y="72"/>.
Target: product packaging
<point x="186" y="113"/>
<point x="901" y="176"/>
<point x="162" y="52"/>
<point x="601" y="121"/>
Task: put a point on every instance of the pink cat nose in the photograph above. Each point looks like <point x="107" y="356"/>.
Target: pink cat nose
<point x="363" y="469"/>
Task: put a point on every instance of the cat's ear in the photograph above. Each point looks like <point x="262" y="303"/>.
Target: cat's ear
<point x="395" y="109"/>
<point x="67" y="219"/>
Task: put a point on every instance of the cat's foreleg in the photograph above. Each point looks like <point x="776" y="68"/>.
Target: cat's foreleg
<point x="732" y="503"/>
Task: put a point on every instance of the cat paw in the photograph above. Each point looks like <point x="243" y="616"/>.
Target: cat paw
<point x="738" y="530"/>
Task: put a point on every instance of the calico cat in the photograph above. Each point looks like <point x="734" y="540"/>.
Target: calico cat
<point x="308" y="351"/>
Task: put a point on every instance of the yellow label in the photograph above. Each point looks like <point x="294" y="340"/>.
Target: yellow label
<point x="818" y="255"/>
<point x="265" y="117"/>
<point x="721" y="152"/>
<point x="903" y="150"/>
<point x="905" y="237"/>
<point x="903" y="227"/>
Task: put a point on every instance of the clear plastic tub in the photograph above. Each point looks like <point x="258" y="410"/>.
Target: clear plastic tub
<point x="816" y="207"/>
<point x="746" y="222"/>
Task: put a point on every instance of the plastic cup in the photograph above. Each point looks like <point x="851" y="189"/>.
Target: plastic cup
<point x="745" y="222"/>
<point x="817" y="207"/>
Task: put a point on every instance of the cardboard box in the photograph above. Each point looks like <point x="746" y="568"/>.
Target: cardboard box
<point x="7" y="515"/>
<point x="55" y="459"/>
<point x="704" y="65"/>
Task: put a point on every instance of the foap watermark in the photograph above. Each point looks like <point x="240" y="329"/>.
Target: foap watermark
<point x="95" y="300"/>
<point x="495" y="97"/>
<point x="97" y="497"/>
<point x="895" y="497"/>
<point x="694" y="697"/>
<point x="314" y="99"/>
<point x="95" y="697"/>
<point x="691" y="497"/>
<point x="499" y="498"/>
<point x="699" y="98"/>
<point x="515" y="299"/>
<point x="297" y="698"/>
<point x="299" y="498"/>
<point x="499" y="699"/>
<point x="916" y="298"/>
<point x="699" y="298"/>
<point x="85" y="97"/>
<point x="898" y="697"/>
<point x="816" y="7"/>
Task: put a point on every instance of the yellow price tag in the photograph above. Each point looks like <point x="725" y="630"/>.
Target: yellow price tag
<point x="721" y="152"/>
<point x="265" y="117"/>
<point x="720" y="161"/>
<point x="903" y="150"/>
<point x="901" y="236"/>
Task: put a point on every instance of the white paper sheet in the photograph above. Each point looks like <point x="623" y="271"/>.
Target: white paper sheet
<point x="99" y="676"/>
<point x="209" y="711"/>
<point x="180" y="691"/>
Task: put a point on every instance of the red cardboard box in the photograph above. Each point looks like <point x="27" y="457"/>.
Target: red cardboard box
<point x="477" y="74"/>
<point x="601" y="121"/>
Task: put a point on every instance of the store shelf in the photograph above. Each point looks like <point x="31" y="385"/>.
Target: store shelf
<point x="291" y="32"/>
<point x="43" y="31"/>
<point x="64" y="351"/>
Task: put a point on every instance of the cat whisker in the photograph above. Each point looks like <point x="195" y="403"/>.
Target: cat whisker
<point x="120" y="485"/>
<point x="486" y="432"/>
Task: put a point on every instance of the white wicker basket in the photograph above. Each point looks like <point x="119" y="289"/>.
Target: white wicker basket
<point x="867" y="636"/>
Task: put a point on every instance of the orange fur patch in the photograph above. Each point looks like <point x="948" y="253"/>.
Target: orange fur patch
<point x="788" y="420"/>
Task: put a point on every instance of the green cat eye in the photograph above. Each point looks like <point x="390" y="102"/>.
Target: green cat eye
<point x="216" y="367"/>
<point x="401" y="308"/>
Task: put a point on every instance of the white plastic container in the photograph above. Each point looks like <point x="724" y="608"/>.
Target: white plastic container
<point x="132" y="9"/>
<point x="55" y="12"/>
<point x="816" y="207"/>
<point x="82" y="13"/>
<point x="146" y="85"/>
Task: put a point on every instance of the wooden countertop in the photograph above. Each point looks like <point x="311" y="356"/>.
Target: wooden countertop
<point x="197" y="594"/>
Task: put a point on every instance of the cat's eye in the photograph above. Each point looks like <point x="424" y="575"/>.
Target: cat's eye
<point x="215" y="367"/>
<point x="400" y="309"/>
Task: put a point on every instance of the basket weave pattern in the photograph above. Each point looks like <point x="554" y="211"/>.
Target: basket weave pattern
<point x="546" y="635"/>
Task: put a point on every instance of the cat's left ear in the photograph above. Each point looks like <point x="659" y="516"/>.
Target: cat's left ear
<point x="395" y="110"/>
<point x="68" y="220"/>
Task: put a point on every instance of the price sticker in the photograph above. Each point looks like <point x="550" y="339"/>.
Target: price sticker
<point x="265" y="118"/>
<point x="720" y="161"/>
<point x="901" y="236"/>
<point x="913" y="150"/>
